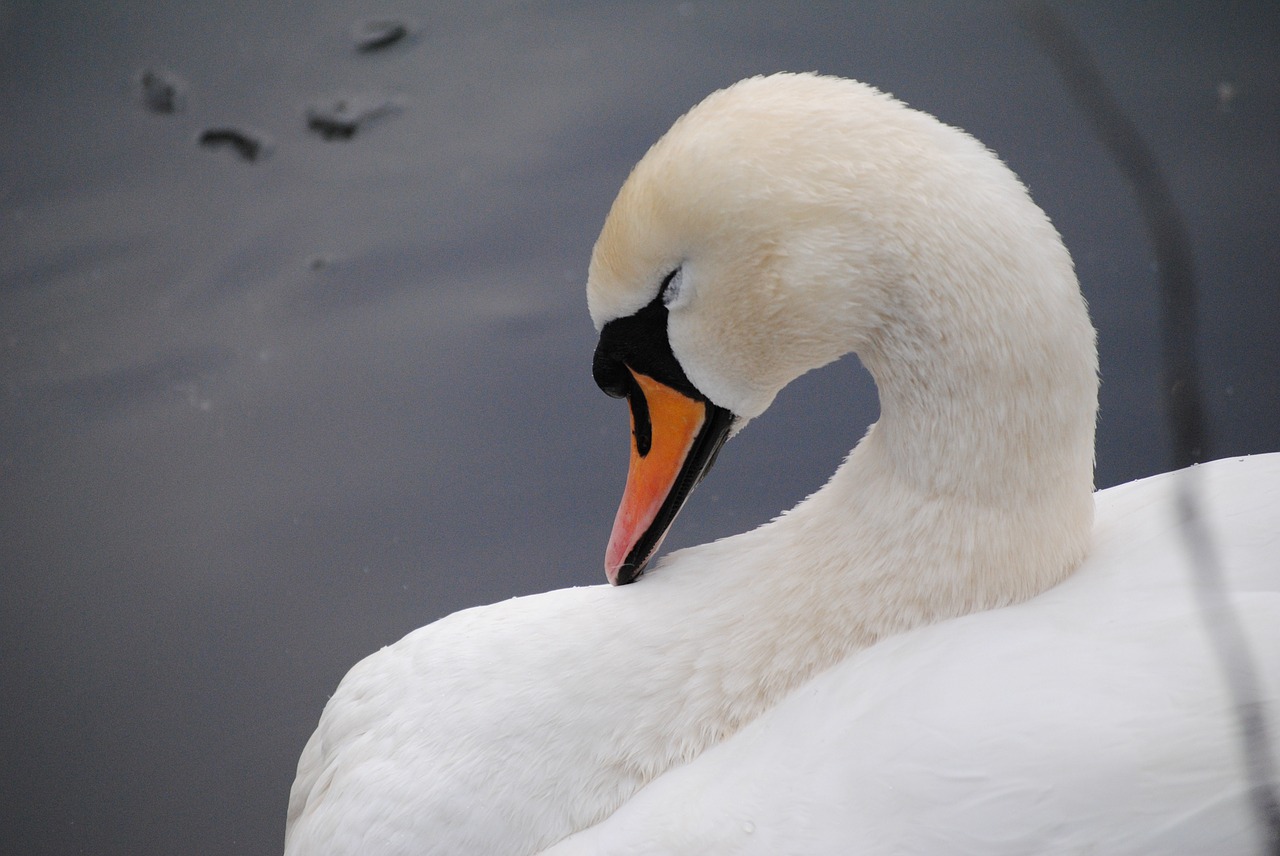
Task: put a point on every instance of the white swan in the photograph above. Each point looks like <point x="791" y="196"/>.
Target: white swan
<point x="783" y="222"/>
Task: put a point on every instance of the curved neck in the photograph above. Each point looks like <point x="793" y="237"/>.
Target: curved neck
<point x="974" y="490"/>
<point x="995" y="417"/>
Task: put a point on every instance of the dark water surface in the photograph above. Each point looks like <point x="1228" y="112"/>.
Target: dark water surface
<point x="273" y="394"/>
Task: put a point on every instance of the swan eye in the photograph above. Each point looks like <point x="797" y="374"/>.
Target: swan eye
<point x="671" y="287"/>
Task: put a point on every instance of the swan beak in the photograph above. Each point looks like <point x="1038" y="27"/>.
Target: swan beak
<point x="674" y="441"/>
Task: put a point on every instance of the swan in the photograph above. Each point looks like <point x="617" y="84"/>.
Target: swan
<point x="939" y="651"/>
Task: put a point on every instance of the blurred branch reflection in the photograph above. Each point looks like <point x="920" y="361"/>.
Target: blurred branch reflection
<point x="1184" y="405"/>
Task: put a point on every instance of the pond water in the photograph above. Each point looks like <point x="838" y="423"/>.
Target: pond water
<point x="294" y="353"/>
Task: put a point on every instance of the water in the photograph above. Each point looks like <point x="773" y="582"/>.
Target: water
<point x="260" y="418"/>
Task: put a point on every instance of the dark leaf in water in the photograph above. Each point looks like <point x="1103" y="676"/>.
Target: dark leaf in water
<point x="162" y="91"/>
<point x="247" y="145"/>
<point x="340" y="118"/>
<point x="378" y="33"/>
<point x="331" y="128"/>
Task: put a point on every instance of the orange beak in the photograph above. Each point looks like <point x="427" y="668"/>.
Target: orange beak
<point x="674" y="441"/>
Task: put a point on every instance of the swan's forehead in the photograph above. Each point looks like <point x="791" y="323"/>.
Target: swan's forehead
<point x="728" y="178"/>
<point x="686" y="201"/>
<point x="631" y="248"/>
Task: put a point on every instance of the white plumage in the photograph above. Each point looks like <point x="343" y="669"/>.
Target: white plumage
<point x="841" y="680"/>
<point x="1092" y="719"/>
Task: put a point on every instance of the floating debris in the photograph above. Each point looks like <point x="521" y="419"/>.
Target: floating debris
<point x="162" y="91"/>
<point x="375" y="34"/>
<point x="341" y="118"/>
<point x="248" y="145"/>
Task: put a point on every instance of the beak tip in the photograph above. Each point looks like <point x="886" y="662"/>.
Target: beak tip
<point x="621" y="574"/>
<point x="683" y="435"/>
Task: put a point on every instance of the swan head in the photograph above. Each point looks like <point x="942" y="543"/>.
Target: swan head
<point x="786" y="221"/>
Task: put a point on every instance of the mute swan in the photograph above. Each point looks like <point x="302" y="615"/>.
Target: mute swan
<point x="838" y="680"/>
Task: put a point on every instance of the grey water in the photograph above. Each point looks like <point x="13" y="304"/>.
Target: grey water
<point x="294" y="353"/>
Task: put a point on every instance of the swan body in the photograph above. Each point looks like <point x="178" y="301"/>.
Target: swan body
<point x="854" y="649"/>
<point x="1091" y="719"/>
